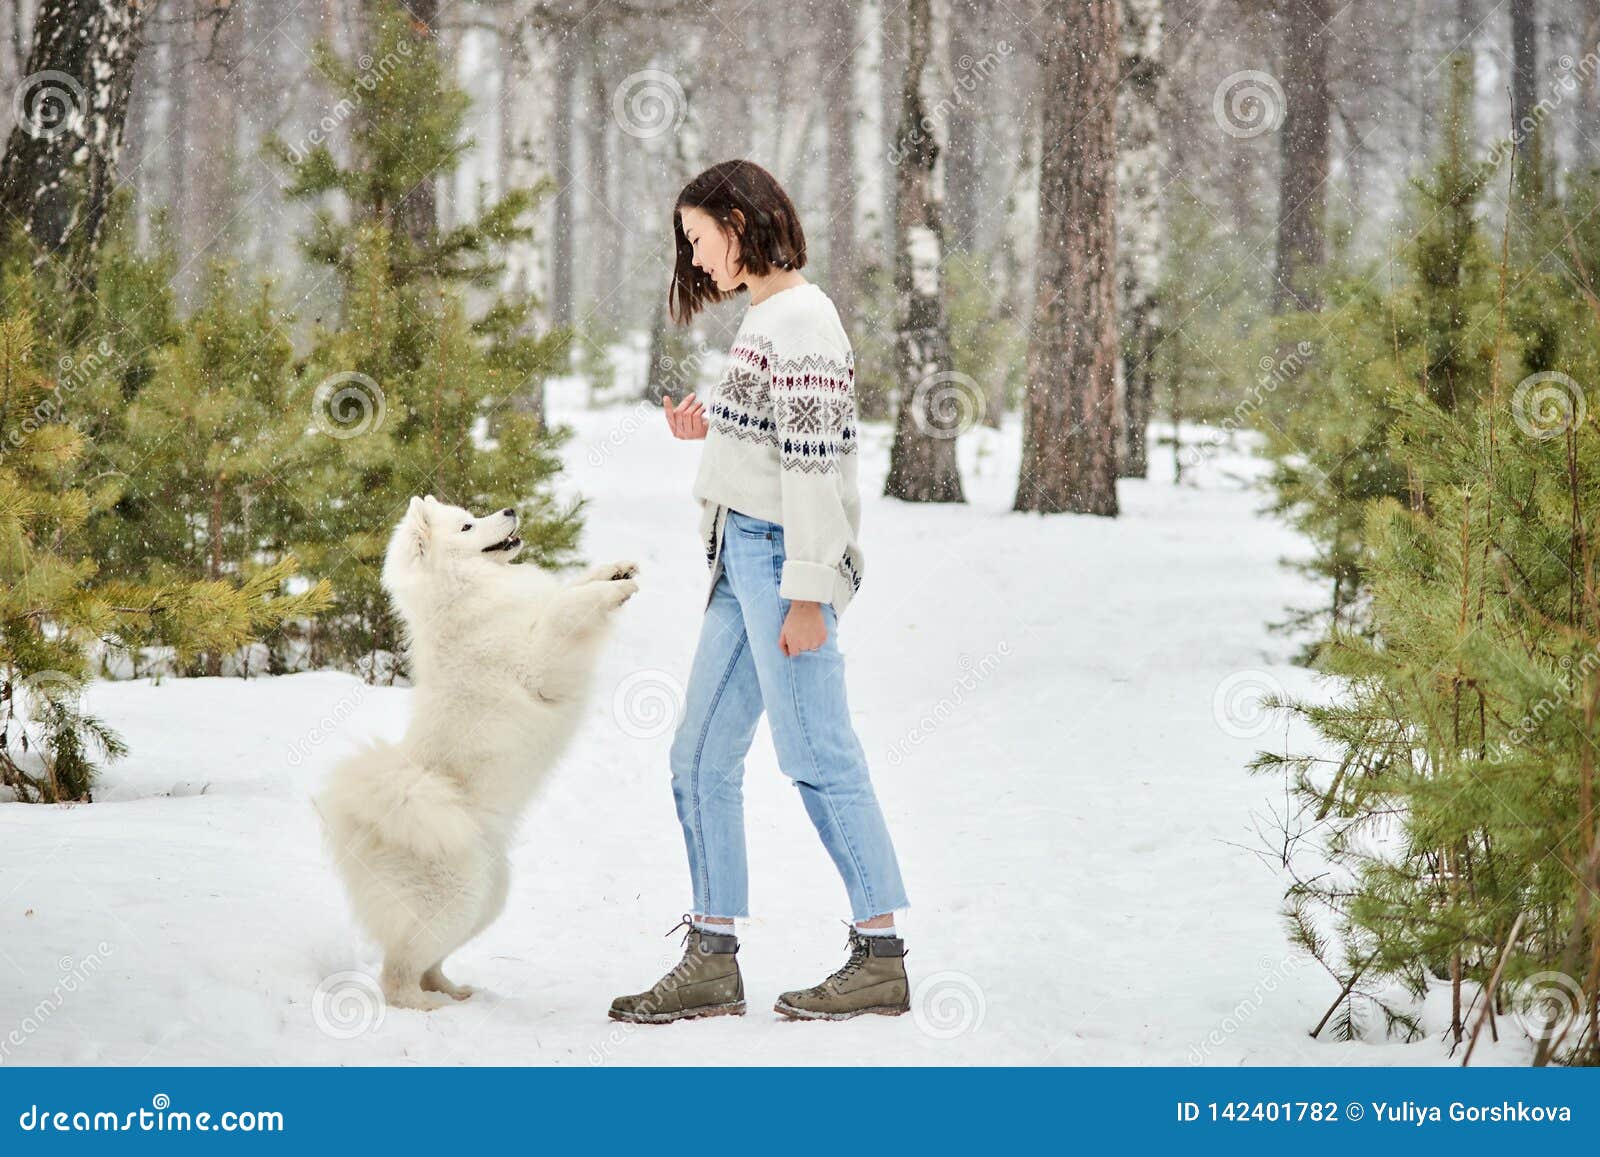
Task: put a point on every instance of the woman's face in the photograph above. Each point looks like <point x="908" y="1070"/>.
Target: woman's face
<point x="715" y="252"/>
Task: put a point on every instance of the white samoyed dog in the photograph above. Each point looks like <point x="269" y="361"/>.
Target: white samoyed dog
<point x="501" y="662"/>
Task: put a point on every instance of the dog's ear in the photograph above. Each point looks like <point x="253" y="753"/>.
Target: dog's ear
<point x="415" y="529"/>
<point x="429" y="498"/>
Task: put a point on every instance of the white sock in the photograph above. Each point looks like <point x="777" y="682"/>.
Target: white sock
<point x="714" y="929"/>
<point x="889" y="931"/>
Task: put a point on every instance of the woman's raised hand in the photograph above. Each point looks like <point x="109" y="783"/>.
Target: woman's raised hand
<point x="687" y="419"/>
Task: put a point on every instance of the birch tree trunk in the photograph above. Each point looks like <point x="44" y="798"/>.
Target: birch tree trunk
<point x="1139" y="209"/>
<point x="938" y="407"/>
<point x="136" y="135"/>
<point x="14" y="61"/>
<point x="1069" y="453"/>
<point x="527" y="123"/>
<point x="60" y="161"/>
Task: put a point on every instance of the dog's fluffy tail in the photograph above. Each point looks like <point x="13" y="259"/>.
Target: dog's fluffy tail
<point x="382" y="793"/>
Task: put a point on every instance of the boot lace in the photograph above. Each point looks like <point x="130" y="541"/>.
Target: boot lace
<point x="686" y="922"/>
<point x="676" y="972"/>
<point x="857" y="944"/>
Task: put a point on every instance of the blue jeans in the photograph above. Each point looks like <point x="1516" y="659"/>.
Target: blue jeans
<point x="739" y="672"/>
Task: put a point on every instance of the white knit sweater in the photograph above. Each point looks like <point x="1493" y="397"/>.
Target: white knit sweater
<point x="781" y="444"/>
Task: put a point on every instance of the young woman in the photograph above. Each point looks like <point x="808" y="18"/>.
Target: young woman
<point x="779" y="517"/>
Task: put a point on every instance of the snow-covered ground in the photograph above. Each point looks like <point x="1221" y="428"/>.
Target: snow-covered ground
<point x="1058" y="712"/>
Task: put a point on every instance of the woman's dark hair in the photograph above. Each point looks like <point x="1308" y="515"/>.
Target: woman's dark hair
<point x="748" y="203"/>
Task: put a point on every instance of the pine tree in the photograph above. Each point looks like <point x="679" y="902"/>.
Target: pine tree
<point x="1453" y="828"/>
<point x="46" y="743"/>
<point x="1328" y="435"/>
<point x="54" y="603"/>
<point x="410" y="392"/>
<point x="932" y="408"/>
<point x="205" y="441"/>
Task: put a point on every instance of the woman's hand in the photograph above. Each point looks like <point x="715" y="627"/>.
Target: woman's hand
<point x="804" y="628"/>
<point x="687" y="419"/>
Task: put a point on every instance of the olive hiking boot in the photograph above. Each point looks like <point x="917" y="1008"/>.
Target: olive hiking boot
<point x="706" y="982"/>
<point x="872" y="980"/>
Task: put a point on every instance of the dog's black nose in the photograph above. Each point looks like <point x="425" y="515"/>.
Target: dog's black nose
<point x="508" y="510"/>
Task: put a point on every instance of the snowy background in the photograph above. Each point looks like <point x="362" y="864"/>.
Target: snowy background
<point x="1058" y="711"/>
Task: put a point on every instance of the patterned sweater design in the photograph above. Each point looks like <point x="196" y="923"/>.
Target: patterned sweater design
<point x="782" y="440"/>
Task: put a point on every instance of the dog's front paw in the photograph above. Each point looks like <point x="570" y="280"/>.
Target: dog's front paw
<point x="611" y="572"/>
<point x="620" y="591"/>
